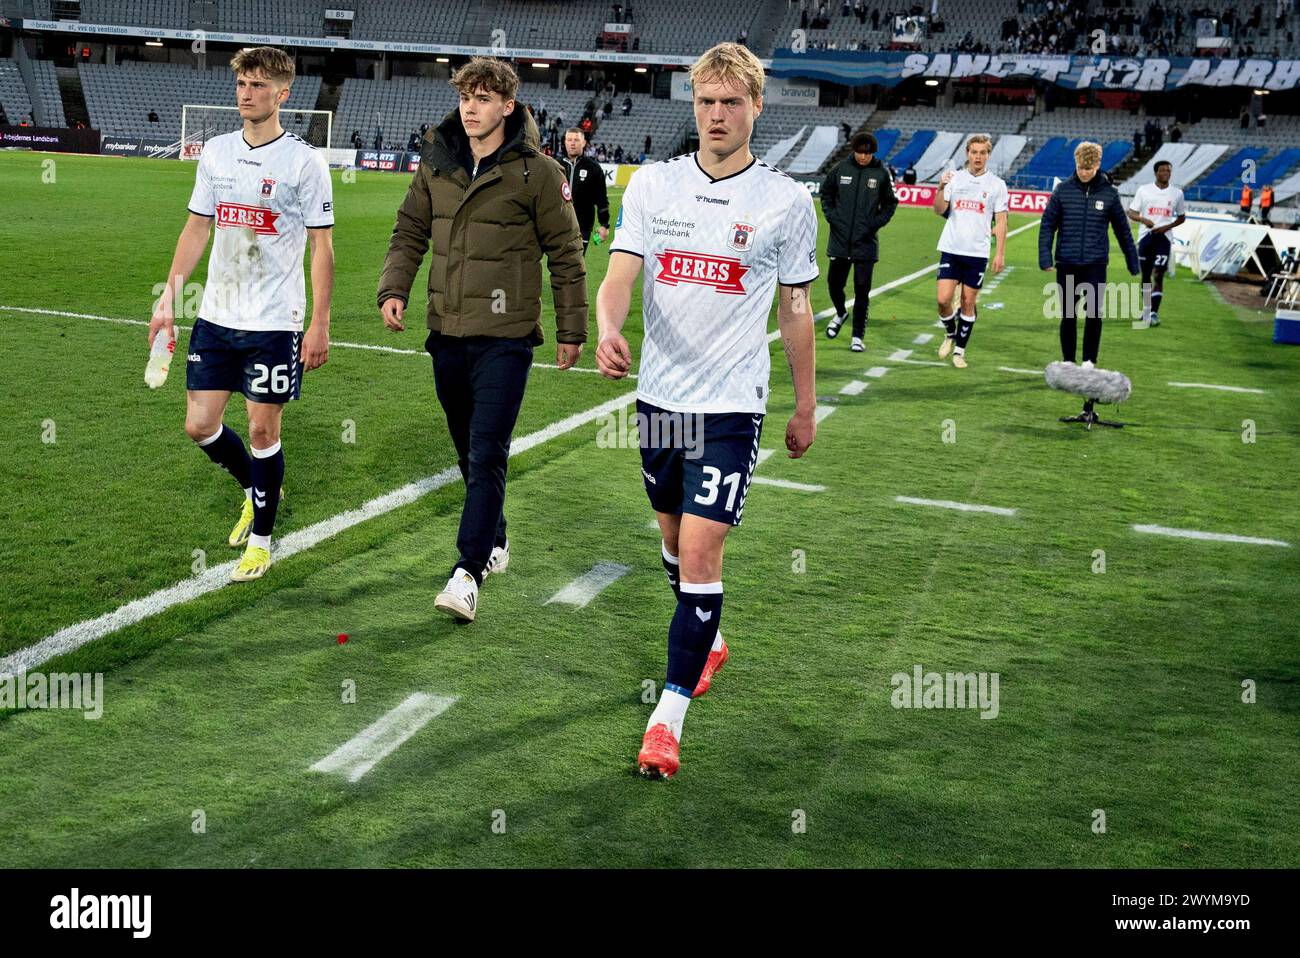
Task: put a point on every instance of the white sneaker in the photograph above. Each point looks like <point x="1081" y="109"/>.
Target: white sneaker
<point x="945" y="347"/>
<point x="857" y="345"/>
<point x="1087" y="364"/>
<point x="833" y="327"/>
<point x="460" y="598"/>
<point x="499" y="560"/>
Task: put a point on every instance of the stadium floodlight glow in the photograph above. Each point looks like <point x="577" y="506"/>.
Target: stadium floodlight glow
<point x="542" y="65"/>
<point x="639" y="70"/>
<point x="1261" y="93"/>
<point x="153" y="43"/>
<point x="931" y="82"/>
<point x="444" y="59"/>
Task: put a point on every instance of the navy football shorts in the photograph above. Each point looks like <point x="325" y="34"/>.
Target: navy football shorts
<point x="967" y="270"/>
<point x="264" y="365"/>
<point x="700" y="463"/>
<point x="1153" y="252"/>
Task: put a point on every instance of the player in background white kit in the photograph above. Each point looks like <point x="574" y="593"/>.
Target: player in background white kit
<point x="710" y="235"/>
<point x="971" y="198"/>
<point x="266" y="191"/>
<point x="1159" y="207"/>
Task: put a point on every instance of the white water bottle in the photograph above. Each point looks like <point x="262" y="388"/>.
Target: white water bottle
<point x="160" y="359"/>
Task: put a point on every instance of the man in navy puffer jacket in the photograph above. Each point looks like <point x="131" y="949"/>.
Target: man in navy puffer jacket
<point x="1084" y="210"/>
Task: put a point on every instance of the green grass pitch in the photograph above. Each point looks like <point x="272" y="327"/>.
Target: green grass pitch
<point x="1120" y="690"/>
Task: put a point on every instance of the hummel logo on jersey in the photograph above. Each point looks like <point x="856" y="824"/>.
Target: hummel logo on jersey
<point x="702" y="615"/>
<point x="723" y="273"/>
<point x="701" y="198"/>
<point x="257" y="218"/>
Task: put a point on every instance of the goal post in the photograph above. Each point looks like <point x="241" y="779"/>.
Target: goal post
<point x="200" y="122"/>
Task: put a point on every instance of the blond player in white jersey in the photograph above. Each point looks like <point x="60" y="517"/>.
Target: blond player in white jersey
<point x="1160" y="208"/>
<point x="971" y="199"/>
<point x="266" y="191"/>
<point x="710" y="235"/>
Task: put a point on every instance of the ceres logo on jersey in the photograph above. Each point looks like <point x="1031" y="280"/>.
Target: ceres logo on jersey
<point x="742" y="237"/>
<point x="723" y="273"/>
<point x="256" y="218"/>
<point x="974" y="206"/>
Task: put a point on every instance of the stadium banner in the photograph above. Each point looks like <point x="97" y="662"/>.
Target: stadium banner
<point x="120" y="146"/>
<point x="52" y="139"/>
<point x="1153" y="74"/>
<point x="337" y="156"/>
<point x="617" y="174"/>
<point x="381" y="160"/>
<point x="1019" y="201"/>
<point x="1219" y="247"/>
<point x="340" y="43"/>
<point x="787" y="91"/>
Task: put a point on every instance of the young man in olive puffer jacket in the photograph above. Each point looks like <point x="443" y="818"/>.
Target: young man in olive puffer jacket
<point x="490" y="204"/>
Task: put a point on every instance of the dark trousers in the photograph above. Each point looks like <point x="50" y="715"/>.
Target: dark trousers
<point x="836" y="279"/>
<point x="480" y="382"/>
<point x="1081" y="289"/>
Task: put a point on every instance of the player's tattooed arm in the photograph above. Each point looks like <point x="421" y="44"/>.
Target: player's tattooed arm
<point x="795" y="319"/>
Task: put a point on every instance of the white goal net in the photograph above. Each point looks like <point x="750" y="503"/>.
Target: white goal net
<point x="201" y="122"/>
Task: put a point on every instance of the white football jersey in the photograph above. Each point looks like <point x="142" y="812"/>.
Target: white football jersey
<point x="1157" y="205"/>
<point x="264" y="199"/>
<point x="973" y="201"/>
<point x="713" y="252"/>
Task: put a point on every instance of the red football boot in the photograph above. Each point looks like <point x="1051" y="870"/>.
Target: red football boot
<point x="711" y="668"/>
<point x="658" y="755"/>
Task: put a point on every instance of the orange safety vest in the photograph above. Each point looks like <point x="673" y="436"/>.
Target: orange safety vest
<point x="1245" y="197"/>
<point x="1266" y="198"/>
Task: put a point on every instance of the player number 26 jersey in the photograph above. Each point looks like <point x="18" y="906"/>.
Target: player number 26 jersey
<point x="713" y="251"/>
<point x="262" y="200"/>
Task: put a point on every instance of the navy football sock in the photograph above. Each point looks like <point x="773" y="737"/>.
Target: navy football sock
<point x="964" y="331"/>
<point x="1155" y="303"/>
<point x="949" y="325"/>
<point x="690" y="637"/>
<point x="268" y="476"/>
<point x="672" y="567"/>
<point x="227" y="450"/>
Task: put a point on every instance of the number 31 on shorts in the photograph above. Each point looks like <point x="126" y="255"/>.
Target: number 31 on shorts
<point x="712" y="479"/>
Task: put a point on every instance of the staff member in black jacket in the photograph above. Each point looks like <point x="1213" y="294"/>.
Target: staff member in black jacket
<point x="858" y="199"/>
<point x="1084" y="209"/>
<point x="587" y="184"/>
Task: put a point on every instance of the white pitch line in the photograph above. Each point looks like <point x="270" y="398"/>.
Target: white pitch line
<point x="763" y="456"/>
<point x="898" y="355"/>
<point x="875" y="372"/>
<point x="922" y="339"/>
<point x="822" y="412"/>
<point x="368" y="748"/>
<point x="590" y="584"/>
<point x="333" y="343"/>
<point x="959" y="506"/>
<point x="853" y="388"/>
<point x="1209" y="536"/>
<point x="1027" y="372"/>
<point x="75" y="636"/>
<point x="784" y="484"/>
<point x="922" y="362"/>
<point x="1226" y="389"/>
